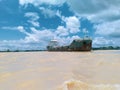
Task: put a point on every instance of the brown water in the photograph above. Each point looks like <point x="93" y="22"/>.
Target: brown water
<point x="96" y="70"/>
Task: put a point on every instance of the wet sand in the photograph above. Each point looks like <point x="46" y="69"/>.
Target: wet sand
<point x="60" y="70"/>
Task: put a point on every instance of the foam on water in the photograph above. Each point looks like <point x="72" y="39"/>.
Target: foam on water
<point x="79" y="85"/>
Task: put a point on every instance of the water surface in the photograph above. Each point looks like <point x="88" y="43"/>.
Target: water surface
<point x="96" y="70"/>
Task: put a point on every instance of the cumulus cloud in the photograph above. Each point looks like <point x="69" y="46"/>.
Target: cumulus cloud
<point x="110" y="14"/>
<point x="72" y="26"/>
<point x="62" y="31"/>
<point x="47" y="12"/>
<point x="111" y="29"/>
<point x="87" y="6"/>
<point x="33" y="18"/>
<point x="45" y="35"/>
<point x="104" y="14"/>
<point x="39" y="35"/>
<point x="21" y="29"/>
<point x="33" y="15"/>
<point x="37" y="39"/>
<point x="101" y="41"/>
<point x="72" y="23"/>
<point x="66" y="40"/>
<point x="96" y="11"/>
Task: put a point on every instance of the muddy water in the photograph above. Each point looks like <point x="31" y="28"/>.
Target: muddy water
<point x="96" y="70"/>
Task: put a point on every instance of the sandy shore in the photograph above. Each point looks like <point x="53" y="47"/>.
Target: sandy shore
<point x="49" y="70"/>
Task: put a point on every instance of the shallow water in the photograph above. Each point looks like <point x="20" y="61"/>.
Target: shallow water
<point x="96" y="70"/>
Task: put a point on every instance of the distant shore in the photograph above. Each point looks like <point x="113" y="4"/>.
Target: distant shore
<point x="37" y="50"/>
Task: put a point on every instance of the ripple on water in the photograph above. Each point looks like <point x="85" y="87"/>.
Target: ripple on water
<point x="79" y="85"/>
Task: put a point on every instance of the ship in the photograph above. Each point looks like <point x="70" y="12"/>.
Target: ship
<point x="84" y="44"/>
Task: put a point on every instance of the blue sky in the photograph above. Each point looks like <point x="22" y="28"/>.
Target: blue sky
<point x="30" y="24"/>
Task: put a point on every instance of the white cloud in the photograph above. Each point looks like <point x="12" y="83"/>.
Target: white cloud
<point x="75" y="37"/>
<point x="37" y="39"/>
<point x="101" y="41"/>
<point x="62" y="31"/>
<point x="96" y="11"/>
<point x="72" y="24"/>
<point x="39" y="2"/>
<point x="58" y="13"/>
<point x="21" y="29"/>
<point x="66" y="40"/>
<point x="39" y="35"/>
<point x="47" y="12"/>
<point x="17" y="28"/>
<point x="111" y="14"/>
<point x="9" y="28"/>
<point x="33" y="18"/>
<point x="42" y="37"/>
<point x="111" y="29"/>
<point x="85" y="31"/>
<point x="34" y="23"/>
<point x="32" y="15"/>
<point x="20" y="45"/>
<point x="105" y="14"/>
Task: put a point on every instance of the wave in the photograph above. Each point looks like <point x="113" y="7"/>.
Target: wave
<point x="79" y="85"/>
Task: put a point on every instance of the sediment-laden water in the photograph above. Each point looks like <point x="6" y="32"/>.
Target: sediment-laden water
<point x="95" y="70"/>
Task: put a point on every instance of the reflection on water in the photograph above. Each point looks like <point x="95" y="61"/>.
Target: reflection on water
<point x="96" y="70"/>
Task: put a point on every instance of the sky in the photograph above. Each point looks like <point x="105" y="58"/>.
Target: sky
<point x="31" y="24"/>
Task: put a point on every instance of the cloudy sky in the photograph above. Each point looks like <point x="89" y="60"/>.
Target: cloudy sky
<point x="31" y="24"/>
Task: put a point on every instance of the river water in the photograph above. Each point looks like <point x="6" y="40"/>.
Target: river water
<point x="95" y="70"/>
